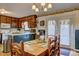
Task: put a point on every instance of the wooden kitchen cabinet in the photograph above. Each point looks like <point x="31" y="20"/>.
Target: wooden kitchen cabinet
<point x="8" y="20"/>
<point x="21" y="20"/>
<point x="17" y="22"/>
<point x="3" y="19"/>
<point x="30" y="19"/>
<point x="14" y="23"/>
<point x="32" y="22"/>
<point x="20" y="24"/>
<point x="29" y="22"/>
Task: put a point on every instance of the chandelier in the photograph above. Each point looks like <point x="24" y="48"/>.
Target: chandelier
<point x="42" y="7"/>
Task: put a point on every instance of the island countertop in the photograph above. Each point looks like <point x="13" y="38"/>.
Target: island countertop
<point x="13" y="34"/>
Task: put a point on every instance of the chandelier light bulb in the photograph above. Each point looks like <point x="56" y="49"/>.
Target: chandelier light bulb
<point x="42" y="4"/>
<point x="37" y="10"/>
<point x="49" y="5"/>
<point x="33" y="7"/>
<point x="45" y="9"/>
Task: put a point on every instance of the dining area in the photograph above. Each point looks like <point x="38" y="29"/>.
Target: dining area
<point x="51" y="47"/>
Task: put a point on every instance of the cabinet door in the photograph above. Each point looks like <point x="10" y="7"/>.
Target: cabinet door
<point x="29" y="22"/>
<point x="14" y="23"/>
<point x="32" y="22"/>
<point x="3" y="19"/>
<point x="20" y="22"/>
<point x="17" y="22"/>
<point x="9" y="20"/>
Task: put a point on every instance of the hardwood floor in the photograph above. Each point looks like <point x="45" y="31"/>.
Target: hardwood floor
<point x="3" y="54"/>
<point x="64" y="52"/>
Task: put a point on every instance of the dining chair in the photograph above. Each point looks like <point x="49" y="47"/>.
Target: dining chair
<point x="54" y="46"/>
<point x="51" y="46"/>
<point x="17" y="49"/>
<point x="57" y="46"/>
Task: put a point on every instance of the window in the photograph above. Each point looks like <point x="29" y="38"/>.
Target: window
<point x="25" y="25"/>
<point x="64" y="32"/>
<point x="51" y="28"/>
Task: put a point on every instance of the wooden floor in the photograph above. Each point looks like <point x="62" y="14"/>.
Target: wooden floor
<point x="3" y="54"/>
<point x="72" y="53"/>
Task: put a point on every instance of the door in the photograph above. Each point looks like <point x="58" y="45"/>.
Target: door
<point x="77" y="39"/>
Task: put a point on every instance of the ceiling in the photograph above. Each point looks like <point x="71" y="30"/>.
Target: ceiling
<point x="25" y="9"/>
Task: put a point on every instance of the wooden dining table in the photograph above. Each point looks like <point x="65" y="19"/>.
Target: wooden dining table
<point x="35" y="48"/>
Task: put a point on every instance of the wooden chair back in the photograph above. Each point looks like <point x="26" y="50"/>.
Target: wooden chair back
<point x="51" y="46"/>
<point x="58" y="45"/>
<point x="17" y="49"/>
<point x="54" y="46"/>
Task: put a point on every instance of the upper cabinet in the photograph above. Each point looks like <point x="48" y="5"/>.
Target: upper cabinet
<point x="14" y="23"/>
<point x="3" y="19"/>
<point x="9" y="20"/>
<point x="17" y="22"/>
<point x="30" y="19"/>
<point x="21" y="20"/>
<point x="32" y="22"/>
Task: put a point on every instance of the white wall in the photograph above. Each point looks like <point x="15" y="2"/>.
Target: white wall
<point x="74" y="22"/>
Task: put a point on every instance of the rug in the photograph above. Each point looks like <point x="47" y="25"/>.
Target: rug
<point x="64" y="52"/>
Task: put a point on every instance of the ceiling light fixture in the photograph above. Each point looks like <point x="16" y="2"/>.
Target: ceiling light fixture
<point x="37" y="10"/>
<point x="45" y="9"/>
<point x="42" y="6"/>
<point x="49" y="5"/>
<point x="34" y="7"/>
<point x="3" y="11"/>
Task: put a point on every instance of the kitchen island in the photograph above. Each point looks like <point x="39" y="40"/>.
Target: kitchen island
<point x="22" y="37"/>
